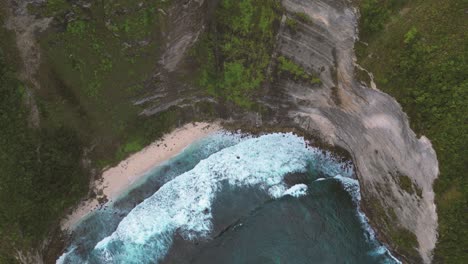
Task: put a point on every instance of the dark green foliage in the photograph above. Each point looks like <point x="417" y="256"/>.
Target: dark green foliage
<point x="291" y="24"/>
<point x="289" y="67"/>
<point x="375" y="13"/>
<point x="405" y="241"/>
<point x="100" y="58"/>
<point x="41" y="173"/>
<point x="235" y="52"/>
<point x="420" y="57"/>
<point x="84" y="97"/>
<point x="303" y="17"/>
<point x="405" y="183"/>
<point x="384" y="218"/>
<point x="94" y="64"/>
<point x="144" y="131"/>
<point x="50" y="8"/>
<point x="105" y="49"/>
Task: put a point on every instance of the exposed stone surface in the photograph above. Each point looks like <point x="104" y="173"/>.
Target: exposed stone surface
<point x="25" y="26"/>
<point x="368" y="123"/>
<point x="185" y="22"/>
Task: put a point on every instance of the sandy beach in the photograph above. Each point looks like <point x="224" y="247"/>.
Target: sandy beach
<point x="116" y="180"/>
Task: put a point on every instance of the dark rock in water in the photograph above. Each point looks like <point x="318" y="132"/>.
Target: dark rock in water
<point x="297" y="178"/>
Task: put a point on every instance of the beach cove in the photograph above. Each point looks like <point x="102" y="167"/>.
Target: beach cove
<point x="114" y="181"/>
<point x="189" y="203"/>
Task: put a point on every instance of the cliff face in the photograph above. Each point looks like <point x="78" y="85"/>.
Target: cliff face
<point x="395" y="168"/>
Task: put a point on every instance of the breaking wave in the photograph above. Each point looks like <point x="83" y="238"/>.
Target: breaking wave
<point x="181" y="206"/>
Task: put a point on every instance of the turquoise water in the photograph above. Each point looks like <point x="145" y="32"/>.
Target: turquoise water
<point x="235" y="199"/>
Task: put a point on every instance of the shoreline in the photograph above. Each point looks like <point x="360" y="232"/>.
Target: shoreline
<point x="116" y="180"/>
<point x="363" y="218"/>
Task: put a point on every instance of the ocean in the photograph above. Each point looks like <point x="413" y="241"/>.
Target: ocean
<point x="232" y="198"/>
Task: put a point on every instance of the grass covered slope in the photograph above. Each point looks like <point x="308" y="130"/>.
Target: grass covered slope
<point x="40" y="170"/>
<point x="418" y="53"/>
<point x="96" y="57"/>
<point x="88" y="77"/>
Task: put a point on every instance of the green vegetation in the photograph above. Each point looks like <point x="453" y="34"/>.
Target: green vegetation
<point x="142" y="131"/>
<point x="418" y="54"/>
<point x="104" y="46"/>
<point x="287" y="66"/>
<point x="291" y="24"/>
<point x="405" y="184"/>
<point x="402" y="240"/>
<point x="233" y="56"/>
<point x="303" y="17"/>
<point x="92" y="66"/>
<point x="405" y="240"/>
<point x="408" y="186"/>
<point x="50" y="8"/>
<point x="376" y="13"/>
<point x="41" y="173"/>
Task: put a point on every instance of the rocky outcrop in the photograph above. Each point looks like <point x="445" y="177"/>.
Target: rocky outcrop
<point x="185" y="22"/>
<point x="368" y="123"/>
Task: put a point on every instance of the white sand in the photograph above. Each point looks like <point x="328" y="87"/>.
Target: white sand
<point x="116" y="180"/>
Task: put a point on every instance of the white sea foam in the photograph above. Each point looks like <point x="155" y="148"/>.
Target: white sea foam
<point x="184" y="204"/>
<point x="63" y="257"/>
<point x="353" y="188"/>
<point x="297" y="190"/>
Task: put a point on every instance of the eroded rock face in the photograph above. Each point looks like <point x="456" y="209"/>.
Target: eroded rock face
<point x="395" y="168"/>
<point x="25" y="26"/>
<point x="186" y="20"/>
<point x="368" y="123"/>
